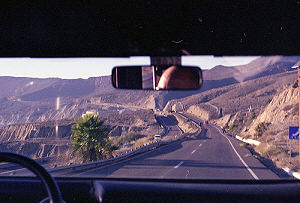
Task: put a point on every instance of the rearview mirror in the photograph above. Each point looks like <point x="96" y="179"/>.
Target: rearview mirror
<point x="159" y="77"/>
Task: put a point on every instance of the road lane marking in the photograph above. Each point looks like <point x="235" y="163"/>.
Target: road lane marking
<point x="200" y="145"/>
<point x="248" y="168"/>
<point x="122" y="161"/>
<point x="193" y="151"/>
<point x="180" y="163"/>
<point x="187" y="173"/>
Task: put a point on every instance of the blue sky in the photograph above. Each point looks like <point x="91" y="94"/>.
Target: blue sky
<point x="70" y="68"/>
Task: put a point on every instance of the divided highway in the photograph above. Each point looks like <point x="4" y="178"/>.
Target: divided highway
<point x="210" y="155"/>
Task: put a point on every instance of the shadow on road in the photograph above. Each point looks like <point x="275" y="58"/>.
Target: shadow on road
<point x="105" y="171"/>
<point x="203" y="134"/>
<point x="169" y="120"/>
<point x="186" y="163"/>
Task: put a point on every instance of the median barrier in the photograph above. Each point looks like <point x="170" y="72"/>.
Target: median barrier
<point x="89" y="165"/>
<point x="94" y="164"/>
<point x="195" y="123"/>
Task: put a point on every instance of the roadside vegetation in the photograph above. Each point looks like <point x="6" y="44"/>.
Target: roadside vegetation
<point x="260" y="129"/>
<point x="130" y="137"/>
<point x="142" y="141"/>
<point x="242" y="121"/>
<point x="90" y="138"/>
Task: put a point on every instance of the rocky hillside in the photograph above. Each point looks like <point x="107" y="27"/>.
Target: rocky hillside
<point x="37" y="140"/>
<point x="52" y="139"/>
<point x="31" y="108"/>
<point x="25" y="100"/>
<point x="204" y="111"/>
<point x="254" y="94"/>
<point x="270" y="127"/>
<point x="262" y="66"/>
<point x="280" y="113"/>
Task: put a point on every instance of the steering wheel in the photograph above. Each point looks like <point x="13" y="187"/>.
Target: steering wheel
<point x="53" y="191"/>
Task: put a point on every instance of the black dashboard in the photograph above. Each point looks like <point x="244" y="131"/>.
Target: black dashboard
<point x="30" y="189"/>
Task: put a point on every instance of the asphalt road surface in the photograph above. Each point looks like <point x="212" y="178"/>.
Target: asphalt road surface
<point x="210" y="155"/>
<point x="169" y="123"/>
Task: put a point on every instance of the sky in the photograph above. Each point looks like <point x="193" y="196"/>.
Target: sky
<point x="72" y="68"/>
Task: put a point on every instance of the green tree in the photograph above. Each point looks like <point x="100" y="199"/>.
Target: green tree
<point x="90" y="138"/>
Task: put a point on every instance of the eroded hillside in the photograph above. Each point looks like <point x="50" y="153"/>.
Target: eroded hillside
<point x="229" y="100"/>
<point x="52" y="139"/>
<point x="270" y="127"/>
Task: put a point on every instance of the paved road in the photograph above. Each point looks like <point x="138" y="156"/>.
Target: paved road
<point x="170" y="124"/>
<point x="214" y="156"/>
<point x="12" y="168"/>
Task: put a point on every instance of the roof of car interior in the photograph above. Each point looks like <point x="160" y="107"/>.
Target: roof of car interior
<point x="155" y="28"/>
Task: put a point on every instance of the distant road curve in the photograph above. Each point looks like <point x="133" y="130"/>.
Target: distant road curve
<point x="213" y="157"/>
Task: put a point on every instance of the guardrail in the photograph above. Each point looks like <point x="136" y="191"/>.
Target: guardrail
<point x="194" y="122"/>
<point x="12" y="168"/>
<point x="75" y="168"/>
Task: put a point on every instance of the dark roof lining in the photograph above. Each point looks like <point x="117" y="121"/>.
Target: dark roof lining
<point x="156" y="28"/>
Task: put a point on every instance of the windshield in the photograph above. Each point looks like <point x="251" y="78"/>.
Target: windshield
<point x="65" y="114"/>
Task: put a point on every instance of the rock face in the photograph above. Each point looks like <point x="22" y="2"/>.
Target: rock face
<point x="204" y="111"/>
<point x="37" y="140"/>
<point x="52" y="139"/>
<point x="29" y="113"/>
<point x="281" y="112"/>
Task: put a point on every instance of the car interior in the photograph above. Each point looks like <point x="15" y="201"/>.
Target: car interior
<point x="158" y="30"/>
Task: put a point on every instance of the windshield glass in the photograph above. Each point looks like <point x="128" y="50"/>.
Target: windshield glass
<point x="65" y="114"/>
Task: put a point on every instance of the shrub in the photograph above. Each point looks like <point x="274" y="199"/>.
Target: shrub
<point x="132" y="136"/>
<point x="141" y="142"/>
<point x="260" y="129"/>
<point x="267" y="151"/>
<point x="295" y="85"/>
<point x="250" y="118"/>
<point x="128" y="138"/>
<point x="90" y="138"/>
<point x="120" y="142"/>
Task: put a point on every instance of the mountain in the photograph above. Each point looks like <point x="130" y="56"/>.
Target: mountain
<point x="220" y="76"/>
<point x="270" y="126"/>
<point x="31" y="108"/>
<point x="234" y="98"/>
<point x="24" y="100"/>
<point x="17" y="86"/>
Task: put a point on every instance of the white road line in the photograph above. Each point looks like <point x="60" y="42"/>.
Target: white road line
<point x="248" y="168"/>
<point x="200" y="145"/>
<point x="178" y="164"/>
<point x="193" y="151"/>
<point x="187" y="173"/>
